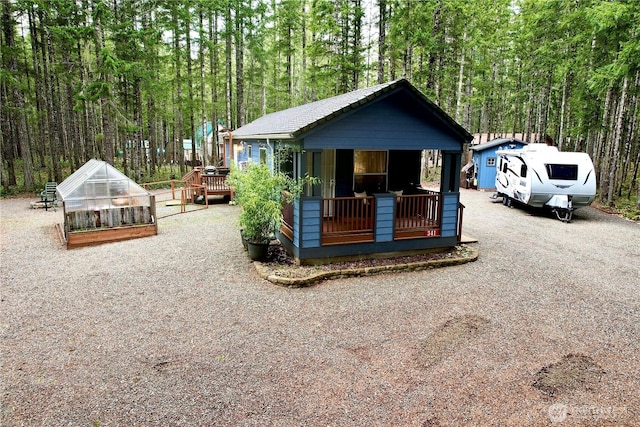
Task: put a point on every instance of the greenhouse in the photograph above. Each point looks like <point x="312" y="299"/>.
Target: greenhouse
<point x="101" y="205"/>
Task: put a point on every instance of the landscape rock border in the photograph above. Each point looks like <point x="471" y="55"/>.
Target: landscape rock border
<point x="469" y="254"/>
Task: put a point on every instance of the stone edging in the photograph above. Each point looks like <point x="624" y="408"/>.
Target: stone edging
<point x="299" y="282"/>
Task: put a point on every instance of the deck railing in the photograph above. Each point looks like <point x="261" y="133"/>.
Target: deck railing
<point x="418" y="215"/>
<point x="347" y="219"/>
<point x="287" y="220"/>
<point x="460" y="213"/>
<point x="175" y="190"/>
<point x="191" y="180"/>
<point x="215" y="184"/>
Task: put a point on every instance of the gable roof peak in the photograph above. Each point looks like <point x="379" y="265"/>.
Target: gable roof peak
<point x="292" y="122"/>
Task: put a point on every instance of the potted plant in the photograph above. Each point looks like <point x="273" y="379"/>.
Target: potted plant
<point x="261" y="194"/>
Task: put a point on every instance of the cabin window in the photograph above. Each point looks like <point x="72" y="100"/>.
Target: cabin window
<point x="263" y="155"/>
<point x="249" y="152"/>
<point x="562" y="172"/>
<point x="491" y="161"/>
<point x="370" y="171"/>
<point x="283" y="159"/>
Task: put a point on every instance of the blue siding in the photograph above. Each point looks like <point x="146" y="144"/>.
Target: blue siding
<point x="310" y="222"/>
<point x="449" y="214"/>
<point x="486" y="173"/>
<point x="243" y="155"/>
<point x="385" y="212"/>
<point x="385" y="124"/>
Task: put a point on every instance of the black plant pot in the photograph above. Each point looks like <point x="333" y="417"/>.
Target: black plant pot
<point x="257" y="251"/>
<point x="244" y="240"/>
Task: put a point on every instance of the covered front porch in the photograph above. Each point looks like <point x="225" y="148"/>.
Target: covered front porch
<point x="318" y="228"/>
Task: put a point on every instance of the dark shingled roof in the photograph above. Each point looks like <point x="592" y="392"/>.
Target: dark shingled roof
<point x="496" y="142"/>
<point x="292" y="122"/>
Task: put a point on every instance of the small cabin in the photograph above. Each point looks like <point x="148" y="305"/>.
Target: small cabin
<point x="366" y="147"/>
<point x="102" y="205"/>
<point x="482" y="171"/>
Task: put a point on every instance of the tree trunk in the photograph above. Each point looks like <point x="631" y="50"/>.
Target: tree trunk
<point x="214" y="65"/>
<point x="634" y="182"/>
<point x="178" y="102"/>
<point x="601" y="141"/>
<point x="239" y="35"/>
<point x="53" y="112"/>
<point x="356" y="62"/>
<point x="105" y="78"/>
<point x="460" y="79"/>
<point x="382" y="34"/>
<point x="203" y="107"/>
<point x="563" y="109"/>
<point x="303" y="70"/>
<point x="228" y="63"/>
<point x="18" y="115"/>
<point x="191" y="103"/>
<point x="433" y="57"/>
<point x="616" y="143"/>
<point x="605" y="145"/>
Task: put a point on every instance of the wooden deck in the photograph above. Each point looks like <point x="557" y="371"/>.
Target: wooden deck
<point x="213" y="185"/>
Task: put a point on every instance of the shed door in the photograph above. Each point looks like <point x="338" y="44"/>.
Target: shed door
<point x="328" y="177"/>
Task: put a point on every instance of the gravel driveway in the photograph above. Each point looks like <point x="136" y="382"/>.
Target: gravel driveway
<point x="178" y="330"/>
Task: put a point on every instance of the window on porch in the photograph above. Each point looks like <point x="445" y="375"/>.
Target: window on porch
<point x="370" y="171"/>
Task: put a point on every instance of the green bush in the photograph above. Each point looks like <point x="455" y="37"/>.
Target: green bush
<point x="262" y="194"/>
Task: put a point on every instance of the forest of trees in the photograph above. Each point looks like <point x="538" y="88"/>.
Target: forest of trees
<point x="83" y="79"/>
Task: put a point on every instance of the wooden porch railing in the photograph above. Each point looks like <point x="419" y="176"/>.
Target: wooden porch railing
<point x="347" y="220"/>
<point x="418" y="215"/>
<point x="287" y="220"/>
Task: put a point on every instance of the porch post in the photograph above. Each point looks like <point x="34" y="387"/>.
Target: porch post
<point x="450" y="175"/>
<point x="384" y="221"/>
<point x="308" y="222"/>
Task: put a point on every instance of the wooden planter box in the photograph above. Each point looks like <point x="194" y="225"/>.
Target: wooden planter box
<point x="78" y="239"/>
<point x="86" y="228"/>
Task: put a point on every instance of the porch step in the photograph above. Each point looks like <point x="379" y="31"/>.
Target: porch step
<point x="467" y="239"/>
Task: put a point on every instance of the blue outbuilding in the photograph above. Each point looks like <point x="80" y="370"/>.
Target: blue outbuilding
<point x="482" y="174"/>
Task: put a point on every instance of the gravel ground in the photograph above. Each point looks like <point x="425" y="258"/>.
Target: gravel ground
<point x="178" y="330"/>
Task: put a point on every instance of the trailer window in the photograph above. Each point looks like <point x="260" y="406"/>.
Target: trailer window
<point x="563" y="172"/>
<point x="523" y="171"/>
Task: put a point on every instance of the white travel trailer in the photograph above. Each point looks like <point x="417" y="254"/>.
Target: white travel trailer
<point x="539" y="175"/>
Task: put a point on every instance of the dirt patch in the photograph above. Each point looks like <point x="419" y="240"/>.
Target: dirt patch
<point x="450" y="337"/>
<point x="574" y="372"/>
